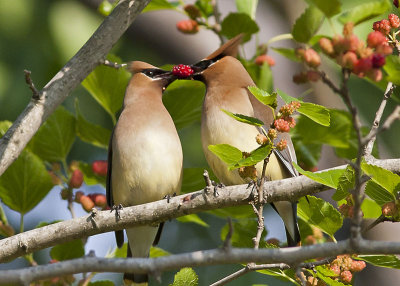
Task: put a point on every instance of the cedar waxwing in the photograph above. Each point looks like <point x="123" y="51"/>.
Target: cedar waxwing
<point x="226" y="83"/>
<point x="144" y="156"/>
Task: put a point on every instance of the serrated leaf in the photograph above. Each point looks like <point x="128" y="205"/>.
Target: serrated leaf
<point x="388" y="261"/>
<point x="185" y="277"/>
<point x="205" y="7"/>
<point x="89" y="176"/>
<point x="155" y="5"/>
<point x="255" y="156"/>
<point x="329" y="178"/>
<point x="55" y="137"/>
<point x="346" y="183"/>
<point x="329" y="8"/>
<point x="158" y="252"/>
<point x="243" y="232"/>
<point x="107" y="86"/>
<point x="336" y="135"/>
<point x="320" y="214"/>
<point x="183" y="100"/>
<point x="69" y="250"/>
<point x="248" y="7"/>
<point x="91" y="133"/>
<point x="287" y="53"/>
<point x="25" y="183"/>
<point x="243" y="118"/>
<point x="227" y="153"/>
<point x="315" y="112"/>
<point x="193" y="218"/>
<point x="378" y="193"/>
<point x="307" y="24"/>
<point x="364" y="12"/>
<point x="263" y="96"/>
<point x="383" y="177"/>
<point x="392" y="68"/>
<point x="236" y="23"/>
<point x="370" y="209"/>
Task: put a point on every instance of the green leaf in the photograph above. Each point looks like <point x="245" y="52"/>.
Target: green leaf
<point x="69" y="250"/>
<point x="288" y="53"/>
<point x="55" y="137"/>
<point x="205" y="7"/>
<point x="370" y="209"/>
<point x="245" y="119"/>
<point x="307" y="154"/>
<point x="155" y="5"/>
<point x="378" y="193"/>
<point x="329" y="178"/>
<point x="328" y="280"/>
<point x="315" y="112"/>
<point x="346" y="183"/>
<point x="243" y="232"/>
<point x="4" y="125"/>
<point x="329" y="8"/>
<point x="320" y="214"/>
<point x="101" y="283"/>
<point x="89" y="132"/>
<point x="89" y="176"/>
<point x="185" y="277"/>
<point x="255" y="156"/>
<point x="261" y="75"/>
<point x="227" y="153"/>
<point x="44" y="223"/>
<point x="107" y="86"/>
<point x="193" y="179"/>
<point x="25" y="183"/>
<point x="307" y="24"/>
<point x="364" y="12"/>
<point x="248" y="7"/>
<point x="236" y="23"/>
<point x="264" y="97"/>
<point x="183" y="100"/>
<point x="119" y="252"/>
<point x="336" y="135"/>
<point x="237" y="212"/>
<point x="392" y="68"/>
<point x="194" y="218"/>
<point x="158" y="252"/>
<point x="383" y="177"/>
<point x="388" y="261"/>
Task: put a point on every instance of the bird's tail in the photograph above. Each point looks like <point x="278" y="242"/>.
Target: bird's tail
<point x="135" y="279"/>
<point x="288" y="213"/>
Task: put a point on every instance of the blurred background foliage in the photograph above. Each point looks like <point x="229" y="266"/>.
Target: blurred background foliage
<point x="42" y="36"/>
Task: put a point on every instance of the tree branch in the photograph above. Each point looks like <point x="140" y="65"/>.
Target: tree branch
<point x="278" y="256"/>
<point x="156" y="212"/>
<point x="59" y="87"/>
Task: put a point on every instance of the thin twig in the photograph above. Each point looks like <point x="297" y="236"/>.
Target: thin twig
<point x="379" y="220"/>
<point x="113" y="65"/>
<point x="29" y="82"/>
<point x="217" y="26"/>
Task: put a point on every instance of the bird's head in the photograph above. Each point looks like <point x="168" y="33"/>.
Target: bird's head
<point x="145" y="73"/>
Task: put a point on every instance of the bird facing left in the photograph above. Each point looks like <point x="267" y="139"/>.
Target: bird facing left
<point x="144" y="156"/>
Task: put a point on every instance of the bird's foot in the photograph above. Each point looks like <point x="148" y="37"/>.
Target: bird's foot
<point x="168" y="197"/>
<point x="117" y="209"/>
<point x="211" y="185"/>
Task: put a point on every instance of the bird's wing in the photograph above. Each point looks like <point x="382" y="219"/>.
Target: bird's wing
<point x="110" y="200"/>
<point x="288" y="155"/>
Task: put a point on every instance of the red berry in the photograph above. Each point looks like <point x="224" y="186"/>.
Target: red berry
<point x="396" y="3"/>
<point x="291" y="121"/>
<point x="335" y="268"/>
<point x="394" y="20"/>
<point x="347" y="60"/>
<point x="182" y="71"/>
<point x="362" y="66"/>
<point x="378" y="60"/>
<point x="351" y="43"/>
<point x="300" y="78"/>
<point x="100" y="201"/>
<point x="312" y="58"/>
<point x="346" y="276"/>
<point x="76" y="179"/>
<point x="282" y="125"/>
<point x="192" y="11"/>
<point x="260" y="60"/>
<point x="382" y="26"/>
<point x="87" y="203"/>
<point x="389" y="209"/>
<point x="384" y="49"/>
<point x="78" y="196"/>
<point x="310" y="240"/>
<point x="376" y="38"/>
<point x="326" y="46"/>
<point x="261" y="139"/>
<point x="188" y="26"/>
<point x="99" y="167"/>
<point x="358" y="265"/>
<point x="375" y="74"/>
<point x="281" y="145"/>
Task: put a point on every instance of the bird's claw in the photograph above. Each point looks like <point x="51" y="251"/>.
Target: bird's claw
<point x="168" y="197"/>
<point x="117" y="209"/>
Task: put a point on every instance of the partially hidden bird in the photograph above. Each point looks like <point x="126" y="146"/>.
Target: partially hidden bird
<point x="227" y="83"/>
<point x="144" y="156"/>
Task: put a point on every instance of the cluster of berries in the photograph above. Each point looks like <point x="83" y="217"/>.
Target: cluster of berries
<point x="347" y="209"/>
<point x="182" y="71"/>
<point x="75" y="181"/>
<point x="283" y="122"/>
<point x="344" y="267"/>
<point x="248" y="171"/>
<point x="386" y="25"/>
<point x="316" y="237"/>
<point x="189" y="26"/>
<point x="352" y="53"/>
<point x="264" y="58"/>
